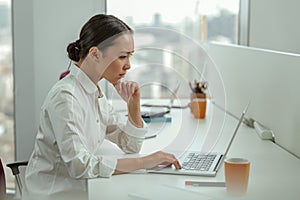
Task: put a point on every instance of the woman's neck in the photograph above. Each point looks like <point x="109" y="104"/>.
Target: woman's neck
<point x="90" y="70"/>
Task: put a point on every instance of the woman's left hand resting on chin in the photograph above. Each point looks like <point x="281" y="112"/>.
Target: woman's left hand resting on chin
<point x="128" y="90"/>
<point x="126" y="165"/>
<point x="130" y="93"/>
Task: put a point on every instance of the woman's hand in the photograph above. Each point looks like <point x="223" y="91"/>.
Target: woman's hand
<point x="126" y="165"/>
<point x="159" y="158"/>
<point x="128" y="90"/>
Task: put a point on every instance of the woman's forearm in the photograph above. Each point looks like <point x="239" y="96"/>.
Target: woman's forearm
<point x="126" y="165"/>
<point x="134" y="113"/>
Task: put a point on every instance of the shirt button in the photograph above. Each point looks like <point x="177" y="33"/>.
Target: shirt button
<point x="97" y="120"/>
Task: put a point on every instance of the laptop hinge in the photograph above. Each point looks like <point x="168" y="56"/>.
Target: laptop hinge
<point x="219" y="163"/>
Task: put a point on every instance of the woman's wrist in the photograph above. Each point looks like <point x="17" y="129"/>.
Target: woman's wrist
<point x="140" y="163"/>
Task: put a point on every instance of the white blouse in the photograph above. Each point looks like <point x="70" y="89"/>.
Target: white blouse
<point x="73" y="125"/>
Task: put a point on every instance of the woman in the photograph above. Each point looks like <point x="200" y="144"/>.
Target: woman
<point x="75" y="117"/>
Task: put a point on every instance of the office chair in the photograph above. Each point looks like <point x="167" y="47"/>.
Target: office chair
<point x="2" y="182"/>
<point x="16" y="172"/>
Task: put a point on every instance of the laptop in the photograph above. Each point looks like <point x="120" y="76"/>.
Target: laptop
<point x="197" y="163"/>
<point x="158" y="112"/>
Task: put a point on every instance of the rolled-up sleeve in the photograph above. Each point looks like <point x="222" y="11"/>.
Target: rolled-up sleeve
<point x="123" y="133"/>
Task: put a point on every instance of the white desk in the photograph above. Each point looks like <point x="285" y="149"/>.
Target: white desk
<point x="274" y="173"/>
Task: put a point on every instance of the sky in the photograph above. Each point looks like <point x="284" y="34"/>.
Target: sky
<point x="5" y="2"/>
<point x="173" y="10"/>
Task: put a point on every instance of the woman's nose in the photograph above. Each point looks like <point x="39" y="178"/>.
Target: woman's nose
<point x="127" y="65"/>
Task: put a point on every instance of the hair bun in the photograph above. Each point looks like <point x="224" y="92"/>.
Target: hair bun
<point x="73" y="51"/>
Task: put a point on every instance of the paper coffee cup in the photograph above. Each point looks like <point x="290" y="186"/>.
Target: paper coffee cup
<point x="236" y="175"/>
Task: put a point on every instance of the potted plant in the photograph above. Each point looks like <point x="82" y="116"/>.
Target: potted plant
<point x="198" y="89"/>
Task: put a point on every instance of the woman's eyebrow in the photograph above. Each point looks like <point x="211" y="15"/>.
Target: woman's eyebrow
<point x="127" y="52"/>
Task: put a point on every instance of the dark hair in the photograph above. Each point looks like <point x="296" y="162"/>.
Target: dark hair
<point x="96" y="31"/>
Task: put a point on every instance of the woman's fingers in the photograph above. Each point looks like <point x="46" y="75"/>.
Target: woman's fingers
<point x="174" y="161"/>
<point x="162" y="158"/>
<point x="131" y="88"/>
<point x="177" y="164"/>
<point x="127" y="89"/>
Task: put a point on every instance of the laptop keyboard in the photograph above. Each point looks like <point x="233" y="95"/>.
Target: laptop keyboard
<point x="198" y="162"/>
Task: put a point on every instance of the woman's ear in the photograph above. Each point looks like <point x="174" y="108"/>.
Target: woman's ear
<point x="95" y="53"/>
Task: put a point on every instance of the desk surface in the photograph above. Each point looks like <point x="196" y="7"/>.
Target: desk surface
<point x="274" y="173"/>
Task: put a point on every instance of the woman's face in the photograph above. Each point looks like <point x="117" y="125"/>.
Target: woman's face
<point x="118" y="58"/>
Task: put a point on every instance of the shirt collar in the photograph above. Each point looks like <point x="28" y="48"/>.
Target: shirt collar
<point x="84" y="80"/>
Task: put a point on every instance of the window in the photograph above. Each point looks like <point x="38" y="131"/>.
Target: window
<point x="175" y="35"/>
<point x="6" y="90"/>
<point x="213" y="20"/>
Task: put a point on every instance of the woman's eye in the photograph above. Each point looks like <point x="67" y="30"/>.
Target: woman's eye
<point x="122" y="57"/>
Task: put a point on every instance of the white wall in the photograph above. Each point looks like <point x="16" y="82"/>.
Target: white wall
<point x="274" y="25"/>
<point x="42" y="31"/>
<point x="270" y="80"/>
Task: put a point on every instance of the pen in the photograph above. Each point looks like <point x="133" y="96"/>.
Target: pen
<point x="204" y="183"/>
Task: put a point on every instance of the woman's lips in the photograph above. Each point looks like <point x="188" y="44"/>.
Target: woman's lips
<point x="122" y="75"/>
